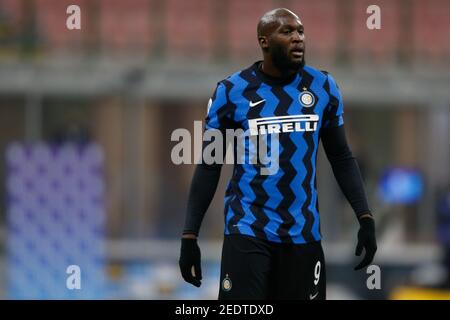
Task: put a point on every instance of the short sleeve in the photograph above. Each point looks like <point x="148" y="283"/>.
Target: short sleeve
<point x="333" y="114"/>
<point x="219" y="111"/>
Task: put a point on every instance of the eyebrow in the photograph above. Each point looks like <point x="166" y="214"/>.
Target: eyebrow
<point x="300" y="26"/>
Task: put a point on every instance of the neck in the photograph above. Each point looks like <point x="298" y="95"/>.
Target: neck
<point x="270" y="69"/>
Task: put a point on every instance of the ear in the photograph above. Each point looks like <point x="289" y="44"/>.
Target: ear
<point x="263" y="42"/>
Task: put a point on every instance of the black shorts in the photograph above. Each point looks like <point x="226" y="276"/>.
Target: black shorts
<point x="253" y="268"/>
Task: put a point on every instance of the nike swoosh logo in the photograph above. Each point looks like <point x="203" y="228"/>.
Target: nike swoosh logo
<point x="254" y="104"/>
<point x="311" y="297"/>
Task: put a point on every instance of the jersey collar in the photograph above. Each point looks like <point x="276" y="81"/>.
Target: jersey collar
<point x="270" y="79"/>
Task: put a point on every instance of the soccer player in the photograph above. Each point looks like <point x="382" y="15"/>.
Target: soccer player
<point x="272" y="244"/>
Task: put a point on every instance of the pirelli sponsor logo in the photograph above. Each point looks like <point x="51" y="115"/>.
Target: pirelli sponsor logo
<point x="270" y="125"/>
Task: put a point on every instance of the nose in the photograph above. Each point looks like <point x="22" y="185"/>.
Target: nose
<point x="297" y="37"/>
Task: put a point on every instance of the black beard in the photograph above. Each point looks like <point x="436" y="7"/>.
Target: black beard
<point x="281" y="60"/>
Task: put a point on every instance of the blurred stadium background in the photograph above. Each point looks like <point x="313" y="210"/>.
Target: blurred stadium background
<point x="86" y="118"/>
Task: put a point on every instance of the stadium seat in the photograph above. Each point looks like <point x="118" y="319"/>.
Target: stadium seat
<point x="431" y="27"/>
<point x="10" y="24"/>
<point x="127" y="26"/>
<point x="320" y="19"/>
<point x="377" y="45"/>
<point x="242" y="18"/>
<point x="11" y="11"/>
<point x="52" y="32"/>
<point x="189" y="26"/>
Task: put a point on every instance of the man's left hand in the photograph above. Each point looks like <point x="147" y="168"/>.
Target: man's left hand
<point x="366" y="241"/>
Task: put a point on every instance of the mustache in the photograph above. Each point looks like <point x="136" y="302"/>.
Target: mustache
<point x="298" y="48"/>
<point x="281" y="59"/>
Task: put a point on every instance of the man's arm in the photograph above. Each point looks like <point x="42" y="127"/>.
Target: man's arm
<point x="203" y="187"/>
<point x="348" y="176"/>
<point x="345" y="168"/>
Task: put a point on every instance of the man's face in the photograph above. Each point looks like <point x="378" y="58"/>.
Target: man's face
<point x="286" y="44"/>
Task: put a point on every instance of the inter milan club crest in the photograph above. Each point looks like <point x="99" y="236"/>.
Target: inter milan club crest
<point x="226" y="283"/>
<point x="306" y="98"/>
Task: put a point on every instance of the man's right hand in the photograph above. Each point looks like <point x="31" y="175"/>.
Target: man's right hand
<point x="190" y="257"/>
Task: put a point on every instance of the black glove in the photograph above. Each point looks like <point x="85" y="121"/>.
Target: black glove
<point x="190" y="262"/>
<point x="366" y="240"/>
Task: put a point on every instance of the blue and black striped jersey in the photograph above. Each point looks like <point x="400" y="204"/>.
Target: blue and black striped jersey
<point x="281" y="207"/>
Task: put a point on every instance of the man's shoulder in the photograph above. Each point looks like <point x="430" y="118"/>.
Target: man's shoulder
<point x="323" y="75"/>
<point x="316" y="73"/>
<point x="237" y="78"/>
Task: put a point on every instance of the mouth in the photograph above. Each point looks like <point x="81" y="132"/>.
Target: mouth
<point x="297" y="52"/>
